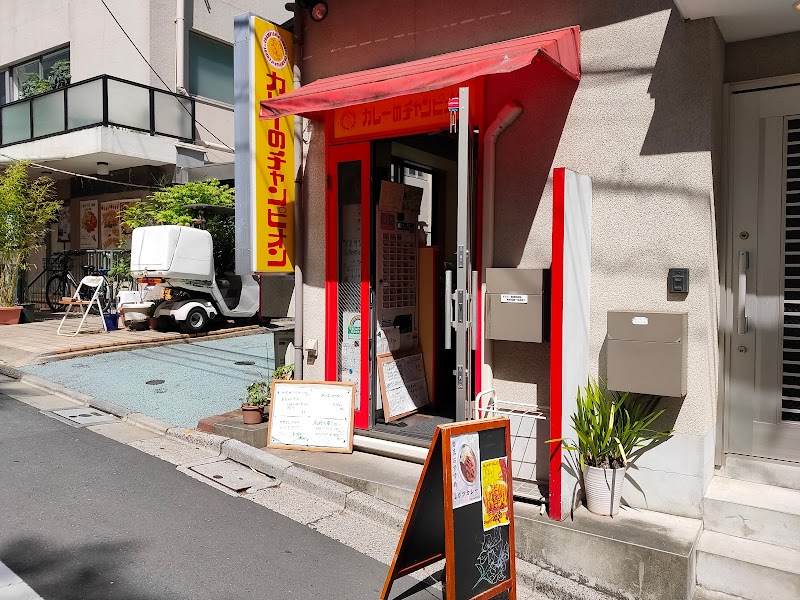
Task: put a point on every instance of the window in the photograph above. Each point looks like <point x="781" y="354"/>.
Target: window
<point x="3" y="93"/>
<point x="210" y="68"/>
<point x="40" y="66"/>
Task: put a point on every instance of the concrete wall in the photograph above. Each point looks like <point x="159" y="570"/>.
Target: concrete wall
<point x="762" y="57"/>
<point x="644" y="124"/>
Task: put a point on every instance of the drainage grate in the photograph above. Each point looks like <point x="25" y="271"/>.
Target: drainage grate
<point x="234" y="476"/>
<point x="245" y="362"/>
<point x="81" y="417"/>
<point x="154" y="382"/>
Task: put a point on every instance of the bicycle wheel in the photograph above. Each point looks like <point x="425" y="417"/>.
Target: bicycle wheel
<point x="104" y="297"/>
<point x="55" y="290"/>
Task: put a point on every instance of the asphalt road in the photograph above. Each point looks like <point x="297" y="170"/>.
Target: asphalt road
<point x="83" y="517"/>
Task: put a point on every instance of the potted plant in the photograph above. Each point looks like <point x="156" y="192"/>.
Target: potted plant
<point x="257" y="400"/>
<point x="610" y="427"/>
<point x="286" y="372"/>
<point x="27" y="207"/>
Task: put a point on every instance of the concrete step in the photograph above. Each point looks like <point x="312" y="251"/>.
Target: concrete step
<point x="749" y="569"/>
<point x="762" y="470"/>
<point x="638" y="554"/>
<point x="753" y="511"/>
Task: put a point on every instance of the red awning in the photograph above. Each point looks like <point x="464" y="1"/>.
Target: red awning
<point x="561" y="46"/>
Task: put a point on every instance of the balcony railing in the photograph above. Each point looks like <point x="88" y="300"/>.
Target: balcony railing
<point x="99" y="101"/>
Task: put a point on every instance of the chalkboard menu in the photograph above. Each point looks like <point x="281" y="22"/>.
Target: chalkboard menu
<point x="402" y="382"/>
<point x="311" y="415"/>
<point x="463" y="512"/>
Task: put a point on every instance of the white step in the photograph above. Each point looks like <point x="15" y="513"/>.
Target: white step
<point x="747" y="568"/>
<point x="753" y="511"/>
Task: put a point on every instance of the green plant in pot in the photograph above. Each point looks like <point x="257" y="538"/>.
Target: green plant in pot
<point x="27" y="207"/>
<point x="286" y="372"/>
<point x="255" y="404"/>
<point x="611" y="428"/>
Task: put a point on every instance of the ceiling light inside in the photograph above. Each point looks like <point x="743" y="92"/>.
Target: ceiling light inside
<point x="318" y="11"/>
<point x="102" y="168"/>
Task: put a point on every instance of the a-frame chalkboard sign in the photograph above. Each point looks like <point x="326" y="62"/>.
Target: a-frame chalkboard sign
<point x="463" y="512"/>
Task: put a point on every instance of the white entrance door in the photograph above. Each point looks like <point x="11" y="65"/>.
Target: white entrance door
<point x="762" y="416"/>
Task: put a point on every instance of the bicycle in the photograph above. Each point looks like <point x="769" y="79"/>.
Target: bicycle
<point x="63" y="285"/>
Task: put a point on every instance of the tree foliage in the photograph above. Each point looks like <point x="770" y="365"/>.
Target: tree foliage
<point x="169" y="207"/>
<point x="27" y="207"/>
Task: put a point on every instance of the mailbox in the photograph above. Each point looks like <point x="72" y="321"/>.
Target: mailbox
<point x="515" y="305"/>
<point x="646" y="352"/>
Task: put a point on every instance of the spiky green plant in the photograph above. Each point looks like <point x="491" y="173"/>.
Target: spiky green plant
<point x="611" y="426"/>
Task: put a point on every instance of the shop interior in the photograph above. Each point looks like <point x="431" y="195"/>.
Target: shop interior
<point x="413" y="244"/>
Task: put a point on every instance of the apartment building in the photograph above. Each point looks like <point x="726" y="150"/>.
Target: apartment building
<point x="144" y="97"/>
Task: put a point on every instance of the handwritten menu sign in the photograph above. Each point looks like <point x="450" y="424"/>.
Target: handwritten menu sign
<point x="463" y="512"/>
<point x="311" y="415"/>
<point x="403" y="387"/>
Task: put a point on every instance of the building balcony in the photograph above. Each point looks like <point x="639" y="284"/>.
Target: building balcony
<point x="99" y="120"/>
<point x="102" y="101"/>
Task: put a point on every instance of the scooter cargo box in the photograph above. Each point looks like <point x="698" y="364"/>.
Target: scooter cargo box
<point x="172" y="252"/>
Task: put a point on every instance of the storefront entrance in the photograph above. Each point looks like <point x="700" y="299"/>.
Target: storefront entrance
<point x="762" y="413"/>
<point x="401" y="220"/>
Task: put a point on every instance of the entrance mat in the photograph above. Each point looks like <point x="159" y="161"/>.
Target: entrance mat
<point x="421" y="427"/>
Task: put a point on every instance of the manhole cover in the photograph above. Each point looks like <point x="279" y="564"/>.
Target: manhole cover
<point x="245" y="362"/>
<point x="84" y="416"/>
<point x="233" y="476"/>
<point x="155" y="382"/>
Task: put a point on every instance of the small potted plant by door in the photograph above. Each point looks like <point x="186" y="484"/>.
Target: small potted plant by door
<point x="610" y="428"/>
<point x="256" y="402"/>
<point x="286" y="372"/>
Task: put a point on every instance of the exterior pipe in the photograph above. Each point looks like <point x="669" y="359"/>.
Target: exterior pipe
<point x="507" y="115"/>
<point x="299" y="241"/>
<point x="180" y="46"/>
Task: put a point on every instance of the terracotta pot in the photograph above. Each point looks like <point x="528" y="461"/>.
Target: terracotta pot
<point x="252" y="415"/>
<point x="9" y="315"/>
<point x="152" y="322"/>
<point x="603" y="489"/>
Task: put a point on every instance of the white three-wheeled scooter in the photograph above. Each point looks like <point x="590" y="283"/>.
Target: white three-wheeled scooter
<point x="182" y="258"/>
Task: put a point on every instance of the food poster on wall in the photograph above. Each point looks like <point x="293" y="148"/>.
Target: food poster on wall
<point x="112" y="234"/>
<point x="351" y="350"/>
<point x="90" y="224"/>
<point x="465" y="455"/>
<point x="494" y="487"/>
<point x="64" y="224"/>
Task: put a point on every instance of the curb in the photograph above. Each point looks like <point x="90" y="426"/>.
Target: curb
<point x="543" y="583"/>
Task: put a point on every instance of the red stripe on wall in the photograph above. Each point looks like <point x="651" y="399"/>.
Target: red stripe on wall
<point x="556" y="341"/>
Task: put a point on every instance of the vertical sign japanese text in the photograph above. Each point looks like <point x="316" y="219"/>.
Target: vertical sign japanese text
<point x="272" y="211"/>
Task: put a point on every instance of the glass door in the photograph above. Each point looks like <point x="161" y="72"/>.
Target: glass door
<point x="463" y="297"/>
<point x="348" y="273"/>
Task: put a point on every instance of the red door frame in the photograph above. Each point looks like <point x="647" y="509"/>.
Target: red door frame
<point x="359" y="152"/>
<point x="360" y="149"/>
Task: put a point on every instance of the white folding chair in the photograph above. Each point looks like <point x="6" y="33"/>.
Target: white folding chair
<point x="90" y="281"/>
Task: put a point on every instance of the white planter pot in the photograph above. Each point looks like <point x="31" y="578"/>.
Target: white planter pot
<point x="603" y="489"/>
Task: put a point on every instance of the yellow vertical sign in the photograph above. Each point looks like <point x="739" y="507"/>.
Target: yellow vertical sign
<point x="273" y="152"/>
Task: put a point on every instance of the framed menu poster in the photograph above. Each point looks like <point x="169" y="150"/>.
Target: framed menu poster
<point x="89" y="224"/>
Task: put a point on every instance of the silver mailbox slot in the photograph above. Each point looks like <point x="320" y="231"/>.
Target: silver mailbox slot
<point x="647" y="352"/>
<point x="515" y="305"/>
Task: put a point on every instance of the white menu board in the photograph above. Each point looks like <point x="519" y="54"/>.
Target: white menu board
<point x="312" y="415"/>
<point x="403" y="387"/>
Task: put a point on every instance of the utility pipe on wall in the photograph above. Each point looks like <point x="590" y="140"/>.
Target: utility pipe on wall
<point x="180" y="46"/>
<point x="299" y="240"/>
<point x="507" y="115"/>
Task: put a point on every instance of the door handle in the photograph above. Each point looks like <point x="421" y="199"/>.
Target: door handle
<point x="448" y="310"/>
<point x="741" y="308"/>
<point x="473" y="294"/>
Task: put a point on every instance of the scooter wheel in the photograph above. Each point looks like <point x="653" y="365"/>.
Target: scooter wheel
<point x="196" y="321"/>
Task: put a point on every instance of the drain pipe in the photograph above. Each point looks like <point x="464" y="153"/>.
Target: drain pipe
<point x="180" y="46"/>
<point x="299" y="241"/>
<point x="507" y="115"/>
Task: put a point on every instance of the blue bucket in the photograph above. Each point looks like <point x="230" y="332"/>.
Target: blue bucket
<point x="112" y="321"/>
